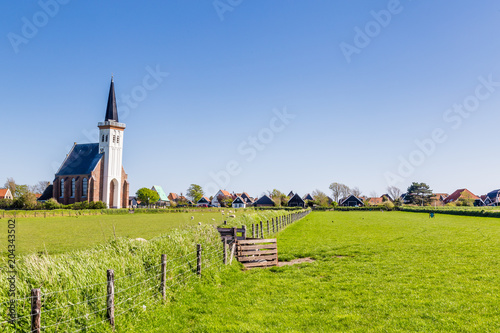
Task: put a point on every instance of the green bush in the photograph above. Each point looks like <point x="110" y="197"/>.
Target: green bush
<point x="51" y="204"/>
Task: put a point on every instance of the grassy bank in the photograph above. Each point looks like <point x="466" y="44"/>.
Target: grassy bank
<point x="374" y="272"/>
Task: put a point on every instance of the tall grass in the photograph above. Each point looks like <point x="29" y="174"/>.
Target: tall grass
<point x="74" y="284"/>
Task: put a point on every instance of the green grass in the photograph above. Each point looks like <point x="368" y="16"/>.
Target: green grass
<point x="61" y="234"/>
<point x="374" y="272"/>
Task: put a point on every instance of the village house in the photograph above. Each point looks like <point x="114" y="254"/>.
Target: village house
<point x="218" y="195"/>
<point x="163" y="201"/>
<point x="5" y="194"/>
<point x="296" y="201"/>
<point x="351" y="201"/>
<point x="239" y="202"/>
<point x="264" y="201"/>
<point x="203" y="202"/>
<point x="463" y="193"/>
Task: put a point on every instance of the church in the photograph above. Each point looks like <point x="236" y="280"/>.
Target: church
<point x="94" y="171"/>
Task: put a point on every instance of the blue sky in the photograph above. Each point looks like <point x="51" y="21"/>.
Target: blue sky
<point x="352" y="119"/>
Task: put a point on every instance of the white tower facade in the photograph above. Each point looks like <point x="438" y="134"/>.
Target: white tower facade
<point x="111" y="146"/>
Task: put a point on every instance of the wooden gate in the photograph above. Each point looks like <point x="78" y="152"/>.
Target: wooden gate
<point x="257" y="252"/>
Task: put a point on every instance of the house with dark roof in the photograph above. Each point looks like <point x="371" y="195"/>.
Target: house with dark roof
<point x="492" y="198"/>
<point x="94" y="171"/>
<point x="291" y="194"/>
<point x="264" y="201"/>
<point x="239" y="202"/>
<point x="351" y="201"/>
<point x="47" y="194"/>
<point x="308" y="197"/>
<point x="203" y="202"/>
<point x="296" y="201"/>
<point x="463" y="193"/>
<point x="5" y="194"/>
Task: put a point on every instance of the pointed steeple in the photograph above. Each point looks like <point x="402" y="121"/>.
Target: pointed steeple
<point x="111" y="111"/>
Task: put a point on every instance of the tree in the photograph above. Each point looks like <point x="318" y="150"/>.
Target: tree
<point x="11" y="185"/>
<point x="40" y="186"/>
<point x="320" y="198"/>
<point x="194" y="192"/>
<point x="147" y="196"/>
<point x="356" y="192"/>
<point x="279" y="198"/>
<point x="339" y="191"/>
<point x="419" y="194"/>
<point x="394" y="192"/>
<point x="373" y="194"/>
<point x="225" y="200"/>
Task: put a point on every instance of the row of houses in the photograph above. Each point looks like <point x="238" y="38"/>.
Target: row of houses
<point x="222" y="197"/>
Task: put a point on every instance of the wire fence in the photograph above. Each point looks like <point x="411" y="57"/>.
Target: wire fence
<point x="98" y="305"/>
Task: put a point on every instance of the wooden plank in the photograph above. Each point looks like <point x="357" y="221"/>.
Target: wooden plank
<point x="248" y="253"/>
<point x="257" y="247"/>
<point x="259" y="264"/>
<point x="230" y="230"/>
<point x="256" y="241"/>
<point x="259" y="258"/>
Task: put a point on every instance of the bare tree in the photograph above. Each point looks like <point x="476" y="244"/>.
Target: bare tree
<point x="373" y="194"/>
<point x="320" y="198"/>
<point x="339" y="191"/>
<point x="40" y="187"/>
<point x="356" y="191"/>
<point x="394" y="192"/>
<point x="11" y="185"/>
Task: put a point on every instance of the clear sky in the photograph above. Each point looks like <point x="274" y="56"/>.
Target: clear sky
<point x="253" y="95"/>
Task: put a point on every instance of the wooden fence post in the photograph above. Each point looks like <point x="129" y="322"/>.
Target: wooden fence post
<point x="257" y="230"/>
<point x="224" y="251"/>
<point x="164" y="276"/>
<point x="268" y="227"/>
<point x="225" y="222"/>
<point x="235" y="233"/>
<point x="272" y="220"/>
<point x="244" y="233"/>
<point x="253" y="230"/>
<point x="36" y="307"/>
<point x="261" y="230"/>
<point x="111" y="298"/>
<point x="198" y="257"/>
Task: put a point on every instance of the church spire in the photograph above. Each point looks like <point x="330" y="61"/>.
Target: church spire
<point x="111" y="111"/>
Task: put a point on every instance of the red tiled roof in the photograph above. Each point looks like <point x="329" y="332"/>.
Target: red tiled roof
<point x="172" y="196"/>
<point x="3" y="192"/>
<point x="460" y="194"/>
<point x="226" y="193"/>
<point x="375" y="201"/>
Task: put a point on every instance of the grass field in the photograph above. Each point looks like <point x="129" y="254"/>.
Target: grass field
<point x="61" y="234"/>
<point x="374" y="272"/>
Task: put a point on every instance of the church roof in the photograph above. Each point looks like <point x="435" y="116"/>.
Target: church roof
<point x="47" y="194"/>
<point x="81" y="160"/>
<point x="111" y="110"/>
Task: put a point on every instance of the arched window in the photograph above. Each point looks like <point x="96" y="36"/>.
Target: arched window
<point x="102" y="140"/>
<point x="62" y="188"/>
<point x="84" y="187"/>
<point x="118" y="139"/>
<point x="114" y="138"/>
<point x="73" y="187"/>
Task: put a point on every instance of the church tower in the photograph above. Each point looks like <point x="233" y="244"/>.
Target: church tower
<point x="111" y="146"/>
